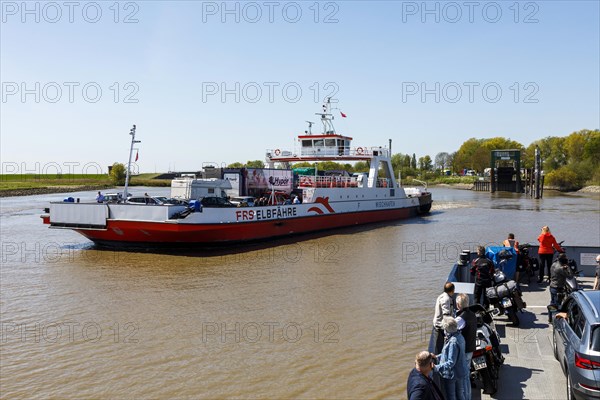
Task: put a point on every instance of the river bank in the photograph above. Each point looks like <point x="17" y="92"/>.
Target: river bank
<point x="50" y="190"/>
<point x="80" y="188"/>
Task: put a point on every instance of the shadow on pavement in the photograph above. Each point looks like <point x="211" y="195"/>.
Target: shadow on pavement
<point x="511" y="382"/>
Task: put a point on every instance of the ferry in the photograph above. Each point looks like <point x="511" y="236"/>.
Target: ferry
<point x="324" y="202"/>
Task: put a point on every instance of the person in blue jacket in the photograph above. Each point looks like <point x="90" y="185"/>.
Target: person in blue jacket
<point x="452" y="364"/>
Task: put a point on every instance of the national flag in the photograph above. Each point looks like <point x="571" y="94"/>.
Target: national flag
<point x="137" y="155"/>
<point x="343" y="115"/>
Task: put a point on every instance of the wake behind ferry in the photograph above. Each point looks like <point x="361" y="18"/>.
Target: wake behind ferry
<point x="323" y="202"/>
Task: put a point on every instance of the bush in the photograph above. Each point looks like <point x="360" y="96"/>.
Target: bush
<point x="564" y="178"/>
<point x="117" y="174"/>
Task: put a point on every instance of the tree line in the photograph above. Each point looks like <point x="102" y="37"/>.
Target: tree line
<point x="569" y="162"/>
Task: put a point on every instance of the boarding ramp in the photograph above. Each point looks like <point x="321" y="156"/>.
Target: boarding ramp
<point x="78" y="215"/>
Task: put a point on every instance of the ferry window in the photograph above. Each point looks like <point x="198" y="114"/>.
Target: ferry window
<point x="319" y="142"/>
<point x="307" y="143"/>
<point x="211" y="190"/>
<point x="330" y="142"/>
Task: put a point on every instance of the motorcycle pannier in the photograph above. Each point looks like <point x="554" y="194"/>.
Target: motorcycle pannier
<point x="501" y="291"/>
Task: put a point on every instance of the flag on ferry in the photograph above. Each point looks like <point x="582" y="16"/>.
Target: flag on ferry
<point x="343" y="115"/>
<point x="137" y="155"/>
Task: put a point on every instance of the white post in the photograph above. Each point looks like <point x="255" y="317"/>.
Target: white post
<point x="133" y="141"/>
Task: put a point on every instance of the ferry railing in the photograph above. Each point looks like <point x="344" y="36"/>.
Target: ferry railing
<point x="337" y="182"/>
<point x="327" y="181"/>
<point x="329" y="151"/>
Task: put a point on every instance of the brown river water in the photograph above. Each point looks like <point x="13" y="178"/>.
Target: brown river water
<point x="336" y="315"/>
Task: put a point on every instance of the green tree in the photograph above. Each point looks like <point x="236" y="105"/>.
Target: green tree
<point x="117" y="174"/>
<point x="575" y="145"/>
<point x="255" y="164"/>
<point x="361" y="166"/>
<point x="397" y="160"/>
<point x="591" y="149"/>
<point x="236" y="164"/>
<point x="413" y="161"/>
<point x="425" y="163"/>
<point x="303" y="164"/>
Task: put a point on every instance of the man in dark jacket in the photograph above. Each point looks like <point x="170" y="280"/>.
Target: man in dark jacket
<point x="560" y="271"/>
<point x="419" y="385"/>
<point x="483" y="271"/>
<point x="467" y="324"/>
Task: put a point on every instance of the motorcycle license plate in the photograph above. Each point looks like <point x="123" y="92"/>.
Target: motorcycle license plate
<point x="479" y="363"/>
<point x="506" y="302"/>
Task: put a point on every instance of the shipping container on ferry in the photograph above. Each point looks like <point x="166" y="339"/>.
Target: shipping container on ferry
<point x="327" y="201"/>
<point x="257" y="181"/>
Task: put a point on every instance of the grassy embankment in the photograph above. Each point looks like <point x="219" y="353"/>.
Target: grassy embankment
<point x="27" y="184"/>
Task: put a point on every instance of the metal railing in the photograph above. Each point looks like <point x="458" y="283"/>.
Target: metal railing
<point x="329" y="151"/>
<point x="338" y="182"/>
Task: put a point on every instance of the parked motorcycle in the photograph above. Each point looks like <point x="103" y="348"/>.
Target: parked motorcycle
<point x="506" y="296"/>
<point x="487" y="357"/>
<point x="530" y="264"/>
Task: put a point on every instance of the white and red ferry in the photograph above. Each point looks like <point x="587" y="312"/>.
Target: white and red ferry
<point x="327" y="202"/>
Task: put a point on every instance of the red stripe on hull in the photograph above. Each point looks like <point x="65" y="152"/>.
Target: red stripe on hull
<point x="164" y="233"/>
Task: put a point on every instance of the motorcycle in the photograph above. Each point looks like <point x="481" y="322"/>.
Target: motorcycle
<point x="487" y="357"/>
<point x="530" y="264"/>
<point x="506" y="296"/>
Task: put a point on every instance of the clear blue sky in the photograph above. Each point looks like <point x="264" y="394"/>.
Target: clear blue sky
<point x="379" y="55"/>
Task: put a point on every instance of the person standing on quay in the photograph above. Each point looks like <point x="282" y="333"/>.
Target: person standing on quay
<point x="511" y="242"/>
<point x="483" y="271"/>
<point x="546" y="251"/>
<point x="452" y="364"/>
<point x="467" y="324"/>
<point x="560" y="273"/>
<point x="420" y="386"/>
<point x="444" y="307"/>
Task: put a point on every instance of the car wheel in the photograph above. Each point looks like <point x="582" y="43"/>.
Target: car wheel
<point x="570" y="395"/>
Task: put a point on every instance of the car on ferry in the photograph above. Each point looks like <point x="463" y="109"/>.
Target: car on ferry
<point x="576" y="342"/>
<point x="216" y="202"/>
<point x="241" y="200"/>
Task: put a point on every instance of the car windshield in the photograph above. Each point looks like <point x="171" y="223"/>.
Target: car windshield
<point x="595" y="345"/>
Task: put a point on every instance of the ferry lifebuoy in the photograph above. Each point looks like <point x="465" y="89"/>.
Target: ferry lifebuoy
<point x="360" y="150"/>
<point x="277" y="152"/>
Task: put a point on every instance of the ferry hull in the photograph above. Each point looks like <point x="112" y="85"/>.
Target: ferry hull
<point x="120" y="233"/>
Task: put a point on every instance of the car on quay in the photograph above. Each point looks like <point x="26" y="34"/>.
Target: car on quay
<point x="576" y="342"/>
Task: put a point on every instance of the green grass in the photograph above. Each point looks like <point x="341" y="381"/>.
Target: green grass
<point x="36" y="181"/>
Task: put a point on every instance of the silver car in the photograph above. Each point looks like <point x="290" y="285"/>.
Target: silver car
<point x="576" y="341"/>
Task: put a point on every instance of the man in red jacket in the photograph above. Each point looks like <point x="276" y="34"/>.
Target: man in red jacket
<point x="546" y="251"/>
